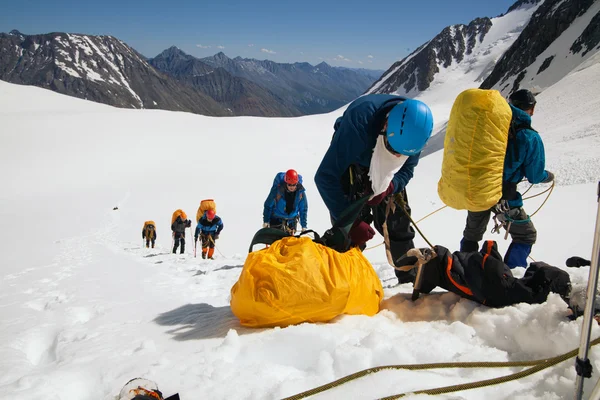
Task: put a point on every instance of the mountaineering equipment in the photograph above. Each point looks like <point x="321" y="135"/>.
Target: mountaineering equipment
<point x="582" y="363"/>
<point x="298" y="280"/>
<point x="522" y="99"/>
<point x="291" y="177"/>
<point x="143" y="389"/>
<point x="536" y="366"/>
<point x="178" y="213"/>
<point x="205" y="205"/>
<point x="409" y="126"/>
<point x="210" y="214"/>
<point x="474" y="150"/>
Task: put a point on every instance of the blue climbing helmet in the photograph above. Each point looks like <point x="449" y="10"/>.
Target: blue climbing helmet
<point x="409" y="126"/>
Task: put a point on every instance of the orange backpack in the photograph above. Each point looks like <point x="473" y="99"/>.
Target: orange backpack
<point x="205" y="205"/>
<point x="149" y="229"/>
<point x="178" y="213"/>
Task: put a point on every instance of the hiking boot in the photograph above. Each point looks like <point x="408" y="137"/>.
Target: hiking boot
<point x="211" y="258"/>
<point x="204" y="256"/>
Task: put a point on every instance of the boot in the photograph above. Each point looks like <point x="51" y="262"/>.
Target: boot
<point x="204" y="250"/>
<point x="210" y="253"/>
<point x="516" y="255"/>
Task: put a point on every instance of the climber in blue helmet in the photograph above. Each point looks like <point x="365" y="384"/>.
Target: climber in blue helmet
<point x="374" y="150"/>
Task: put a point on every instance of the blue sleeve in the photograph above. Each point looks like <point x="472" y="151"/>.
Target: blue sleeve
<point x="269" y="204"/>
<point x="535" y="159"/>
<point x="197" y="232"/>
<point x="303" y="208"/>
<point x="219" y="226"/>
<point x="349" y="142"/>
<point x="402" y="177"/>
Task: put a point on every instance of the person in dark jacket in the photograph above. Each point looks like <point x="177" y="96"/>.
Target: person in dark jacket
<point x="149" y="233"/>
<point x="208" y="229"/>
<point x="178" y="228"/>
<point x="483" y="277"/>
<point x="524" y="158"/>
<point x="286" y="203"/>
<point x="374" y="150"/>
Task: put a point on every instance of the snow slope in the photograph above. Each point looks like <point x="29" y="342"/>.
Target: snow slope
<point x="84" y="308"/>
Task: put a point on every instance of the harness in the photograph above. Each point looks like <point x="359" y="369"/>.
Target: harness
<point x="502" y="218"/>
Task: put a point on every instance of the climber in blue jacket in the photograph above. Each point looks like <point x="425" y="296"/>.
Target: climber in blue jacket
<point x="525" y="158"/>
<point x="374" y="150"/>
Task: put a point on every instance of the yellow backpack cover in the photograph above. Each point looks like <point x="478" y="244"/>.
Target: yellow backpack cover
<point x="296" y="280"/>
<point x="474" y="150"/>
<point x="205" y="205"/>
<point x="178" y="213"/>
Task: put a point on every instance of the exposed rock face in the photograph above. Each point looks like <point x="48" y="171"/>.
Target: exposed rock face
<point x="416" y="72"/>
<point x="240" y="95"/>
<point x="97" y="68"/>
<point x="549" y="21"/>
<point x="310" y="89"/>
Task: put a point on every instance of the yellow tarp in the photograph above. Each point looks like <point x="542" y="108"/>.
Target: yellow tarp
<point x="205" y="205"/>
<point x="474" y="150"/>
<point x="178" y="213"/>
<point x="296" y="280"/>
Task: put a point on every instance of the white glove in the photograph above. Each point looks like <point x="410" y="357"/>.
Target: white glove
<point x="265" y="225"/>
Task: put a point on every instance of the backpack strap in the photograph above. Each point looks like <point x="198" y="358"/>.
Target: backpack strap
<point x="516" y="127"/>
<point x="336" y="237"/>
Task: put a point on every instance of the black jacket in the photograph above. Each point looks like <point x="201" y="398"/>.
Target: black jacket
<point x="483" y="277"/>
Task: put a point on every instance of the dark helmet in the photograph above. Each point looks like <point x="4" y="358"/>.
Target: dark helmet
<point x="291" y="177"/>
<point x="210" y="214"/>
<point x="522" y="99"/>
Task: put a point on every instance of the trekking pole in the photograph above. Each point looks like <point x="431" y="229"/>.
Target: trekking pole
<point x="583" y="367"/>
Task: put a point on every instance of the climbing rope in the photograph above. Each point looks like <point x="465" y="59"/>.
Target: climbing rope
<point x="536" y="366"/>
<point x="549" y="191"/>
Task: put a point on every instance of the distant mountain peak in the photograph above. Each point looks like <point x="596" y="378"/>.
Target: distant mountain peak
<point x="220" y="55"/>
<point x="523" y="4"/>
<point x="323" y="64"/>
<point x="15" y="33"/>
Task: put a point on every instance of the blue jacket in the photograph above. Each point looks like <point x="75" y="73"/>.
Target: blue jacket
<point x="207" y="227"/>
<point x="275" y="204"/>
<point x="525" y="157"/>
<point x="355" y="136"/>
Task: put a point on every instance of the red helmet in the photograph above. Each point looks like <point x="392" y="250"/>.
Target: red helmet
<point x="291" y="177"/>
<point x="210" y="214"/>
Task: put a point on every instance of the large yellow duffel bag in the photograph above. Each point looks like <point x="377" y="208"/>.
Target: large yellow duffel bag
<point x="474" y="150"/>
<point x="296" y="280"/>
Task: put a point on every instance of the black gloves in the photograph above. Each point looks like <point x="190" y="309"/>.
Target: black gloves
<point x="577" y="262"/>
<point x="550" y="177"/>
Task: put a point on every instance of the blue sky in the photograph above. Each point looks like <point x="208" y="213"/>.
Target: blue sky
<point x="355" y="34"/>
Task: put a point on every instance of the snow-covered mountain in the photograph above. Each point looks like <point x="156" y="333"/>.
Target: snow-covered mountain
<point x="461" y="55"/>
<point x="559" y="36"/>
<point x="97" y="68"/>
